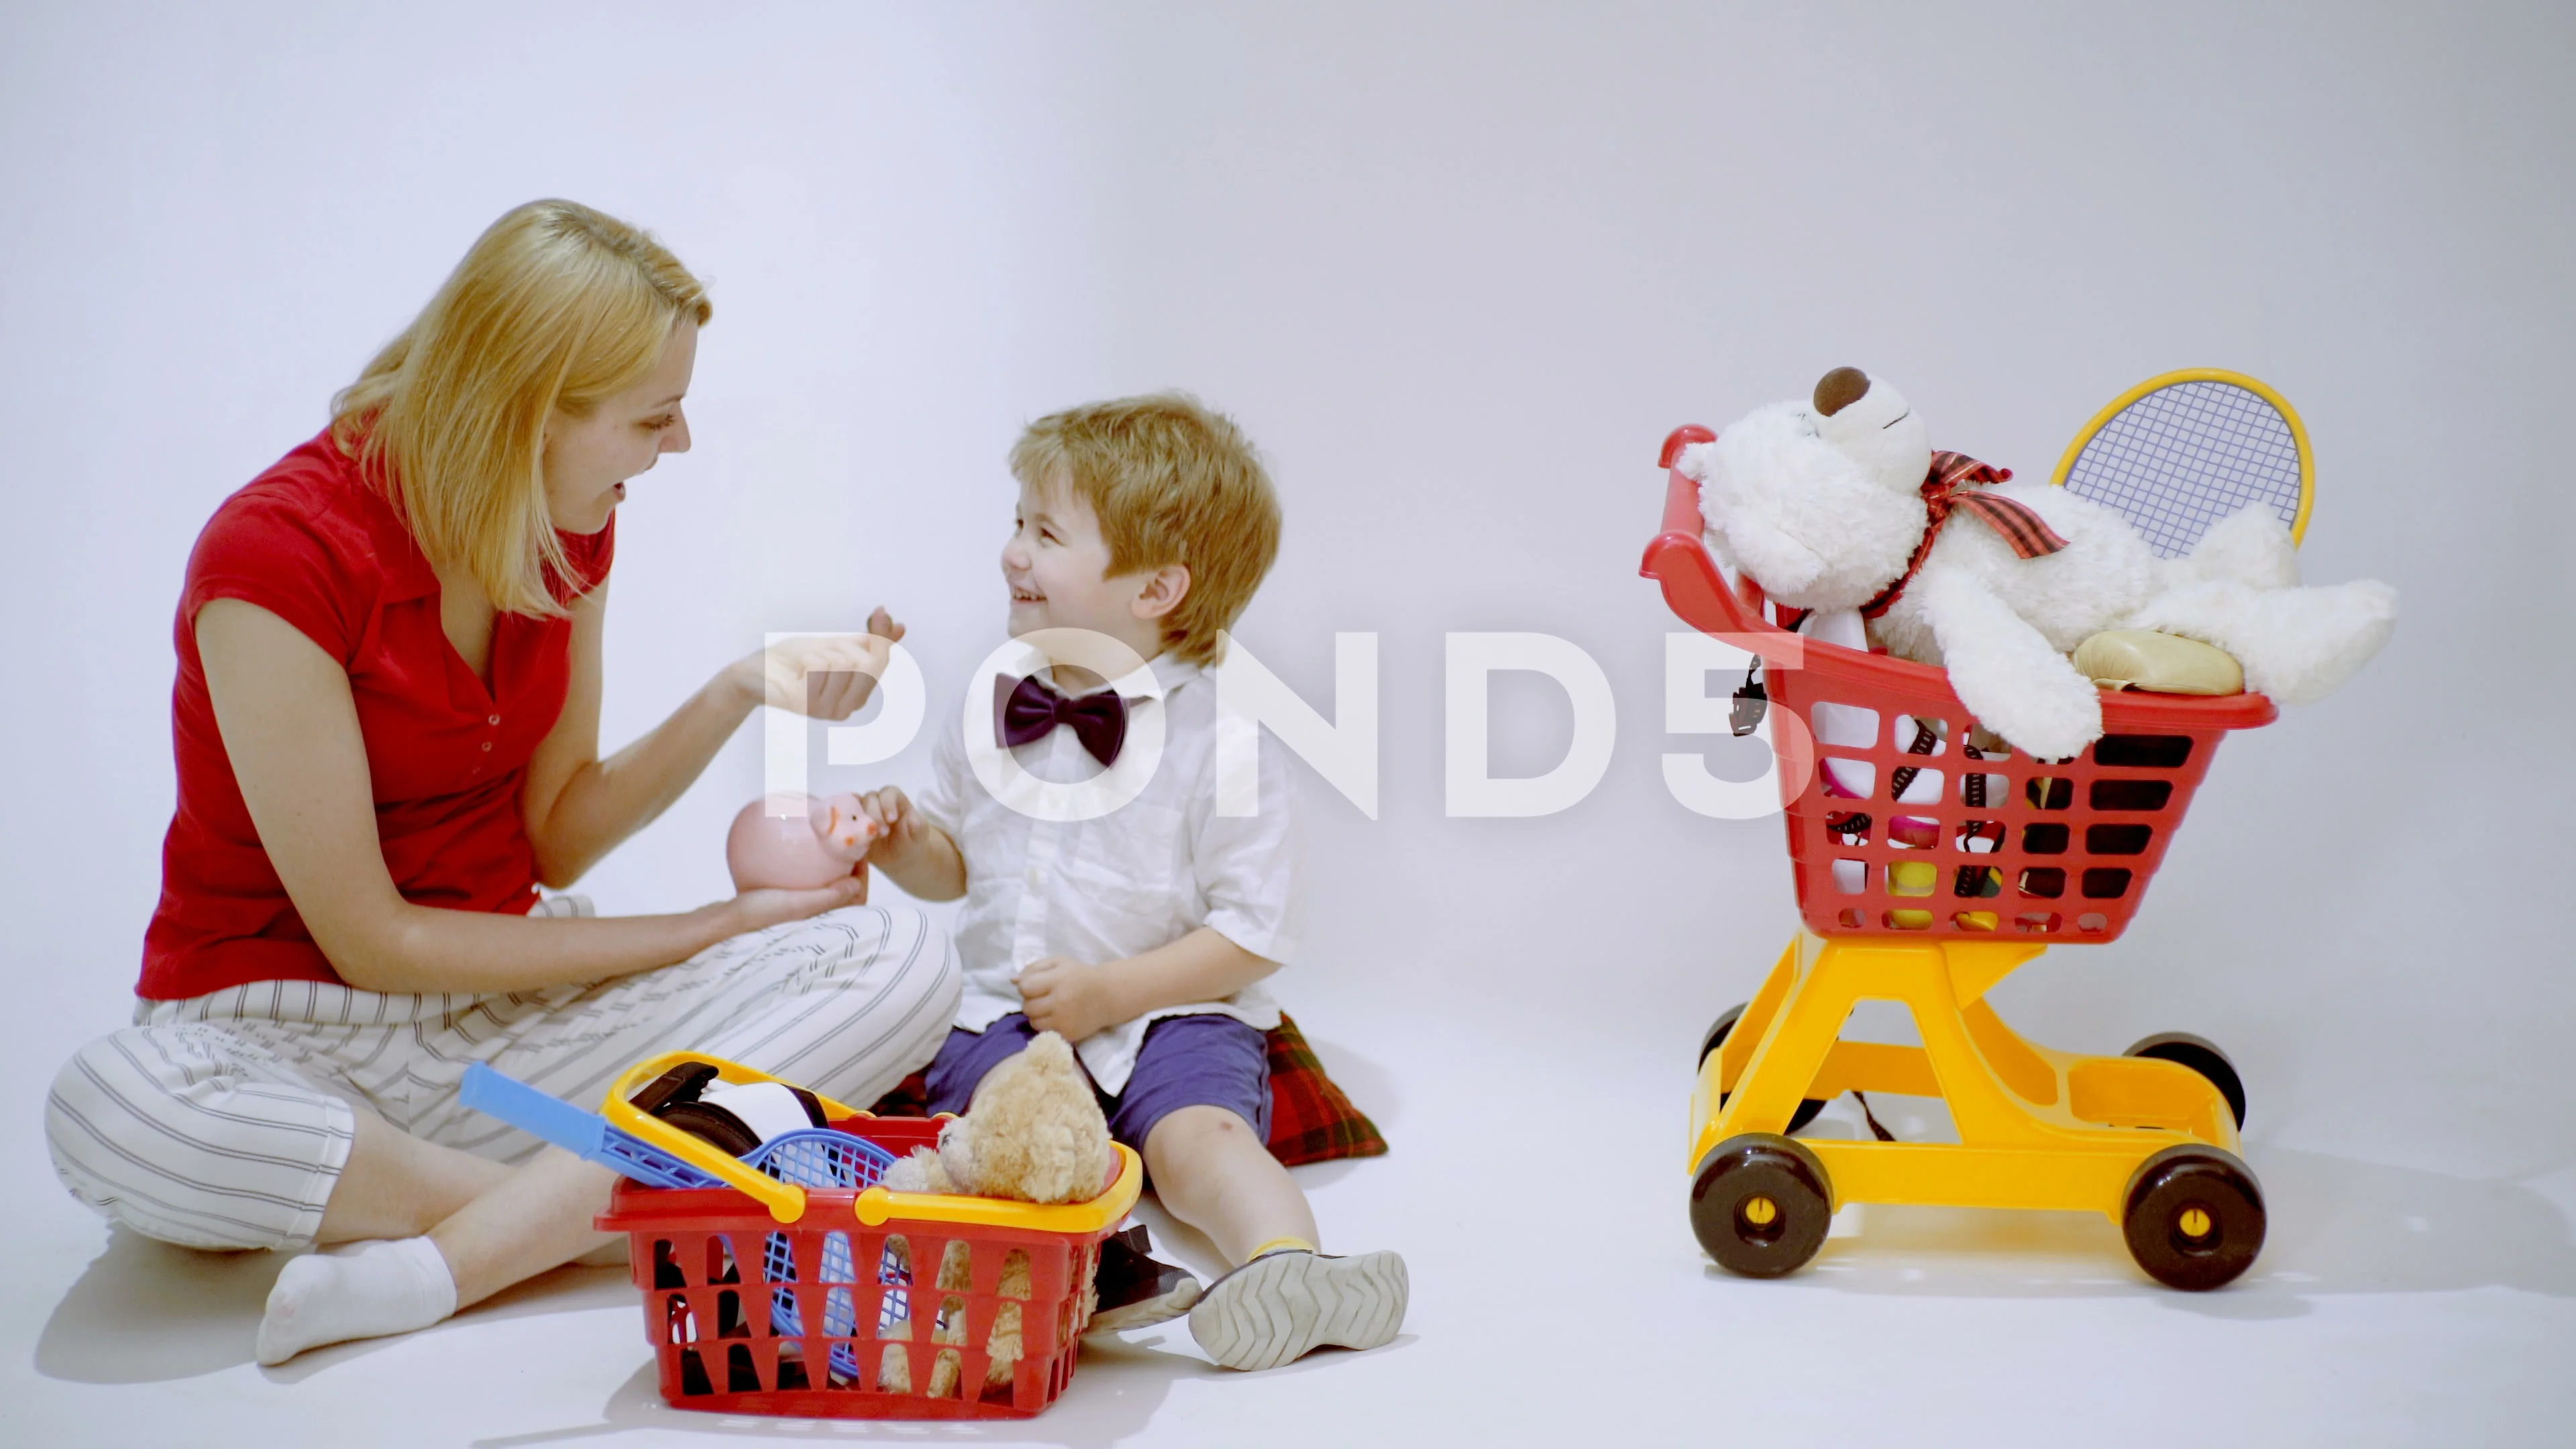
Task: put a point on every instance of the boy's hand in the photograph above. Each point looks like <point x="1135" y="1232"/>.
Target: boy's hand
<point x="911" y="849"/>
<point x="899" y="825"/>
<point x="1071" y="998"/>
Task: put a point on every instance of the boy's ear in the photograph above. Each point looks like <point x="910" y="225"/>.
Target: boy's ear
<point x="1164" y="589"/>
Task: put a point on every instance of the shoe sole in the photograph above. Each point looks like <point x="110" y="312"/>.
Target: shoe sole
<point x="1275" y="1309"/>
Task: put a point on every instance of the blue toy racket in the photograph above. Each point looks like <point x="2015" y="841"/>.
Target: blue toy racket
<point x="813" y="1157"/>
<point x="2179" y="452"/>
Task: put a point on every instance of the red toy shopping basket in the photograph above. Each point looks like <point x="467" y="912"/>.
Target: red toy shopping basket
<point x="868" y="1304"/>
<point x="1988" y="842"/>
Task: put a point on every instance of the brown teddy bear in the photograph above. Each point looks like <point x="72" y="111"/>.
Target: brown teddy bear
<point x="1035" y="1134"/>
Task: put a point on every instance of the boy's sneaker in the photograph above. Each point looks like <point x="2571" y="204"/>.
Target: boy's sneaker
<point x="1282" y="1305"/>
<point x="1135" y="1291"/>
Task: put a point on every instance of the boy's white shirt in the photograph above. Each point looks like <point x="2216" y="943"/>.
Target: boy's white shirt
<point x="1143" y="875"/>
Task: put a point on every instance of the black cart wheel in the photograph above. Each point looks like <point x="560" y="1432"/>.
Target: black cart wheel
<point x="2194" y="1218"/>
<point x="1716" y="1037"/>
<point x="1760" y="1205"/>
<point x="2185" y="1050"/>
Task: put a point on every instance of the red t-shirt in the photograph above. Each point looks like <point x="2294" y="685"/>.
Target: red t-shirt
<point x="313" y="543"/>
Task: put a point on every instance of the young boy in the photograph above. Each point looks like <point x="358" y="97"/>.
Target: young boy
<point x="1141" y="934"/>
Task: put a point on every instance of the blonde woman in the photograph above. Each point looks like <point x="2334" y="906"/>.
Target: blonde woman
<point x="386" y="722"/>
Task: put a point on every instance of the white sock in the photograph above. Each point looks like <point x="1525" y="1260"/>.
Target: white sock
<point x="356" y="1290"/>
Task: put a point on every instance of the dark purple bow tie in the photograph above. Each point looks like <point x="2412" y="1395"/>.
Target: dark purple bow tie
<point x="1029" y="711"/>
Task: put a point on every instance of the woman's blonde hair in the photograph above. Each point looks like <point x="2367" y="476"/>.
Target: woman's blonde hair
<point x="557" y="306"/>
<point x="1172" y="481"/>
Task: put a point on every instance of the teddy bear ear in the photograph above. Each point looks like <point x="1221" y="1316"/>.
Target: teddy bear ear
<point x="1839" y="389"/>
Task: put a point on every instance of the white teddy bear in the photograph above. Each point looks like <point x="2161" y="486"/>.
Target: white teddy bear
<point x="1825" y="506"/>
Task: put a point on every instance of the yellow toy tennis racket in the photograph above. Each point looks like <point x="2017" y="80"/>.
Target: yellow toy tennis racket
<point x="2178" y="453"/>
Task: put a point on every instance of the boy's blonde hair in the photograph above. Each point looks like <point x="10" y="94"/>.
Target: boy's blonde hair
<point x="555" y="306"/>
<point x="1172" y="482"/>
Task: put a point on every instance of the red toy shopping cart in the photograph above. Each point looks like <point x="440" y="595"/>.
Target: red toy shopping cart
<point x="1930" y="904"/>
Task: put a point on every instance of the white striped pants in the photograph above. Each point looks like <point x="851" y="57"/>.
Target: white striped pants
<point x="223" y="1121"/>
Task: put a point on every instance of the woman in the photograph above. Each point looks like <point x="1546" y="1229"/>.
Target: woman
<point x="386" y="720"/>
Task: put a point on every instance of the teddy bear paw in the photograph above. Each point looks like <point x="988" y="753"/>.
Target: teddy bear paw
<point x="2251" y="546"/>
<point x="2048" y="721"/>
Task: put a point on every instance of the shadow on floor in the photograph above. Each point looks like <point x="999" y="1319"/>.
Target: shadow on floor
<point x="2336" y="1225"/>
<point x="1120" y="1383"/>
<point x="147" y="1312"/>
<point x="1115" y="1391"/>
<point x="1370" y="1087"/>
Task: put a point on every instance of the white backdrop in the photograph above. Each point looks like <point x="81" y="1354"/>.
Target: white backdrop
<point x="1457" y="269"/>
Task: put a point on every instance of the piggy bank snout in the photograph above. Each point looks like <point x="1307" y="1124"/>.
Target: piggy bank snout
<point x="844" y="825"/>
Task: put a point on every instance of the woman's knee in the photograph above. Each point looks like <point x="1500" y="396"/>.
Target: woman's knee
<point x="153" y="1134"/>
<point x="944" y="982"/>
<point x="910" y="953"/>
<point x="89" y="1121"/>
<point x="919" y="1003"/>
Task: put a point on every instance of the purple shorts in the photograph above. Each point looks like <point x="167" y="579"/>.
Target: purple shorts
<point x="1206" y="1060"/>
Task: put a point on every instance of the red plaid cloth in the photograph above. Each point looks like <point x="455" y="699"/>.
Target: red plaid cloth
<point x="1948" y="489"/>
<point x="910" y="1097"/>
<point x="1310" y="1119"/>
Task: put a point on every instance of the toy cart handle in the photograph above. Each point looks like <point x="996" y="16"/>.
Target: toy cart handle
<point x="1679" y="560"/>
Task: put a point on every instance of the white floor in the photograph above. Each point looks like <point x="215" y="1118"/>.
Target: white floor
<point x="1559" y="1298"/>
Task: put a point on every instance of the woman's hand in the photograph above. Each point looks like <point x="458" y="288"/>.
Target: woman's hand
<point x="759" y="909"/>
<point x="824" y="676"/>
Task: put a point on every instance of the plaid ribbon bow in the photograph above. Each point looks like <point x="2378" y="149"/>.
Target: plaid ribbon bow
<point x="1950" y="488"/>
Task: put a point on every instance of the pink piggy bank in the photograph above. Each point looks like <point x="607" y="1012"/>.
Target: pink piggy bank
<point x="796" y="842"/>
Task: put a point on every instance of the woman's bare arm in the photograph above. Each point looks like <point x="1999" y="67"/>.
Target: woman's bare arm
<point x="579" y="806"/>
<point x="290" y="729"/>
